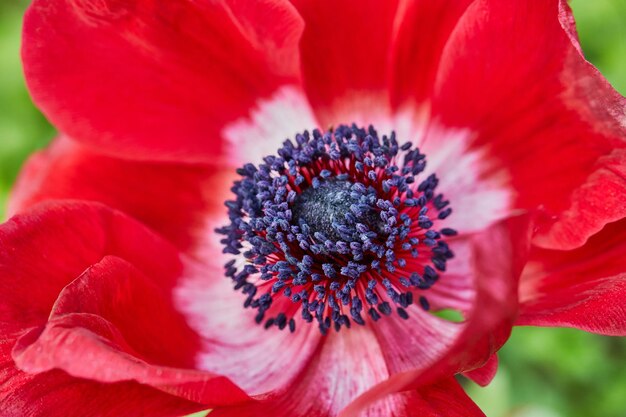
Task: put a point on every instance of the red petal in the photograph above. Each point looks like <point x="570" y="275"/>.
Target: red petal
<point x="157" y="80"/>
<point x="56" y="394"/>
<point x="485" y="374"/>
<point x="173" y="199"/>
<point x="595" y="203"/>
<point x="424" y="28"/>
<point x="58" y="242"/>
<point x="121" y="325"/>
<point x="595" y="306"/>
<point x="442" y="398"/>
<point x="513" y="73"/>
<point x="345" y="51"/>
<point x="583" y="288"/>
<point x="47" y="248"/>
<point x="499" y="255"/>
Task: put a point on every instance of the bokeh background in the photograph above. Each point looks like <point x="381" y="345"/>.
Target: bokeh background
<point x="543" y="372"/>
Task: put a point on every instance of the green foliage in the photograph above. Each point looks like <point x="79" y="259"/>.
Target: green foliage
<point x="200" y="414"/>
<point x="22" y="128"/>
<point x="602" y="30"/>
<point x="557" y="373"/>
<point x="543" y="372"/>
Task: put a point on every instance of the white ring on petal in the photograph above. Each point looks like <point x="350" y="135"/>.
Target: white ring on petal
<point x="273" y="120"/>
<point x="479" y="192"/>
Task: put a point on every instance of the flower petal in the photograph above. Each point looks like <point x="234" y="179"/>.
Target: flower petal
<point x="44" y="250"/>
<point x="56" y="394"/>
<point x="345" y="51"/>
<point x="157" y="80"/>
<point x="442" y="398"/>
<point x="32" y="250"/>
<point x="595" y="306"/>
<point x="583" y="288"/>
<point x="347" y="364"/>
<point x="173" y="199"/>
<point x="90" y="320"/>
<point x="424" y="27"/>
<point x="485" y="374"/>
<point x="414" y="343"/>
<point x="549" y="118"/>
<point x="595" y="203"/>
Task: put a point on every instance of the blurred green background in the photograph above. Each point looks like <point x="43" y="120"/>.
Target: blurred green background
<point x="544" y="372"/>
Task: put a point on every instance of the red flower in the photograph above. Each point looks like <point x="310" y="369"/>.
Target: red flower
<point x="119" y="304"/>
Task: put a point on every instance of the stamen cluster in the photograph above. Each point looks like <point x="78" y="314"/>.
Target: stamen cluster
<point x="336" y="229"/>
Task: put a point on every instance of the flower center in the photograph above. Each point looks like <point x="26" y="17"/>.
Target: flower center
<point x="323" y="207"/>
<point x="336" y="229"/>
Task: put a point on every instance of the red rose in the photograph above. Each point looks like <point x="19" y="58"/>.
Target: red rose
<point x="433" y="126"/>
